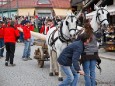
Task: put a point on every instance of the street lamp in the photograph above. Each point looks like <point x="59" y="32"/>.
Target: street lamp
<point x="17" y="6"/>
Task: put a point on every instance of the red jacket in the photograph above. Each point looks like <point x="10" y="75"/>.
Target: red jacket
<point x="26" y="31"/>
<point x="31" y="27"/>
<point x="42" y="30"/>
<point x="10" y="34"/>
<point x="1" y="32"/>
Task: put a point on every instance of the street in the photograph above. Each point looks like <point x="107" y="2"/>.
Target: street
<point x="27" y="73"/>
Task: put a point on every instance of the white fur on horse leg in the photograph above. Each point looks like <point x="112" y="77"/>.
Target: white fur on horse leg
<point x="60" y="78"/>
<point x="60" y="73"/>
<point x="51" y="63"/>
<point x="56" y="69"/>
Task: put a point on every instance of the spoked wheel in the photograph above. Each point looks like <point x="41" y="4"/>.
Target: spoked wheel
<point x="41" y="62"/>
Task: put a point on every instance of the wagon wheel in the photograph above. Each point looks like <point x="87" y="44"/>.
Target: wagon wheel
<point x="41" y="62"/>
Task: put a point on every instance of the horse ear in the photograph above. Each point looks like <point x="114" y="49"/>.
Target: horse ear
<point x="95" y="7"/>
<point x="105" y="7"/>
<point x="66" y="22"/>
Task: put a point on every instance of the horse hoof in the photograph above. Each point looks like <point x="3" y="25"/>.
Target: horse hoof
<point x="95" y="83"/>
<point x="56" y="73"/>
<point x="51" y="74"/>
<point x="60" y="79"/>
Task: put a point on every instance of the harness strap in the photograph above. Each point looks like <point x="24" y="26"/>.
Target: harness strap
<point x="61" y="37"/>
<point x="52" y="41"/>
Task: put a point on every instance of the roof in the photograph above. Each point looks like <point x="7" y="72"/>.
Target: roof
<point x="60" y="3"/>
<point x="37" y="3"/>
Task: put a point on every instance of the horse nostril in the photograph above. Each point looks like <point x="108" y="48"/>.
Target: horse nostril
<point x="70" y="35"/>
<point x="74" y="35"/>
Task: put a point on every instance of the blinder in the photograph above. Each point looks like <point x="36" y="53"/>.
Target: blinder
<point x="108" y="17"/>
<point x="67" y="23"/>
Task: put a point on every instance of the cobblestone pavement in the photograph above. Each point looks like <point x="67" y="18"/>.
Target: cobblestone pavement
<point x="27" y="73"/>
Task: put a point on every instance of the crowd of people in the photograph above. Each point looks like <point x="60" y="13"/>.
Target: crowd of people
<point x="9" y="35"/>
<point x="85" y="47"/>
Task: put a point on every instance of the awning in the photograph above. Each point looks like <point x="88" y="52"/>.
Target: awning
<point x="26" y="12"/>
<point x="61" y="12"/>
<point x="111" y="10"/>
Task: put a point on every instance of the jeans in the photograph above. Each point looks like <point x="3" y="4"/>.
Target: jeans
<point x="32" y="40"/>
<point x="10" y="50"/>
<point x="72" y="76"/>
<point x="1" y="45"/>
<point x="27" y="49"/>
<point x="89" y="69"/>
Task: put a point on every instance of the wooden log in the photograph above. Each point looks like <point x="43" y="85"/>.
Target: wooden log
<point x="35" y="34"/>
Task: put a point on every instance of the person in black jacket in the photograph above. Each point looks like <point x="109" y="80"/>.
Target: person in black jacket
<point x="69" y="60"/>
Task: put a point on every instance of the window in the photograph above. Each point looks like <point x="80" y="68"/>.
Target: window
<point x="43" y="2"/>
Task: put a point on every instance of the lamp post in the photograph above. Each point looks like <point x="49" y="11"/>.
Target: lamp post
<point x="2" y="8"/>
<point x="17" y="6"/>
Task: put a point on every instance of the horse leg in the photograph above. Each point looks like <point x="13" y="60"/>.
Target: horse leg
<point x="51" y="63"/>
<point x="60" y="78"/>
<point x="60" y="73"/>
<point x="55" y="63"/>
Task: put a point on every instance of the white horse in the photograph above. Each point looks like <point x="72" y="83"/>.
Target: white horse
<point x="59" y="39"/>
<point x="100" y="18"/>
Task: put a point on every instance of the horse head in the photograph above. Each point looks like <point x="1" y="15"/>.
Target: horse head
<point x="102" y="16"/>
<point x="71" y="23"/>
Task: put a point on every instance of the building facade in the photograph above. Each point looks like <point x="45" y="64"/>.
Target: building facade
<point x="41" y="8"/>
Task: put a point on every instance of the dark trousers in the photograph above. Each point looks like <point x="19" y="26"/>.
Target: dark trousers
<point x="21" y="38"/>
<point x="10" y="49"/>
<point x="1" y="46"/>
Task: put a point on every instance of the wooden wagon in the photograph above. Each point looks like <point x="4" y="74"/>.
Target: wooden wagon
<point x="41" y="53"/>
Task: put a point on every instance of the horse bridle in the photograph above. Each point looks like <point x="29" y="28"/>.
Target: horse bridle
<point x="71" y="21"/>
<point x="97" y="16"/>
<point x="62" y="35"/>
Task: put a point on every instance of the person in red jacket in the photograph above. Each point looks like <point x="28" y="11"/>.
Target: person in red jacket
<point x="10" y="37"/>
<point x="27" y="41"/>
<point x="45" y="27"/>
<point x="1" y="39"/>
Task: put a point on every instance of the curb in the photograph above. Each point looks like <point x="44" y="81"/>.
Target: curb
<point x="113" y="59"/>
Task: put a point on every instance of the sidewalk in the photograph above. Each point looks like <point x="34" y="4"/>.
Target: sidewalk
<point x="106" y="55"/>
